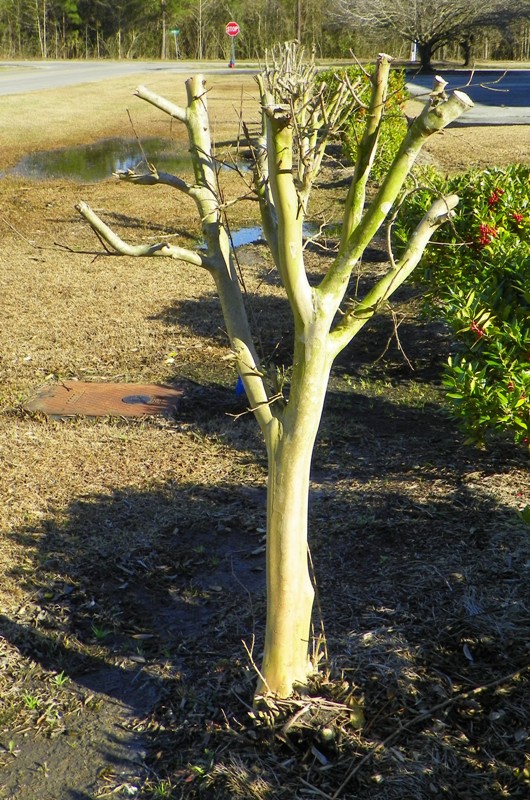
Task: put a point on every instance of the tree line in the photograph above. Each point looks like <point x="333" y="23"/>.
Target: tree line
<point x="168" y="29"/>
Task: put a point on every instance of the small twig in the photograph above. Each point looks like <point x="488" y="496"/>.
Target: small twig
<point x="24" y="238"/>
<point x="247" y="196"/>
<point x="104" y="244"/>
<point x="255" y="666"/>
<point x="352" y="91"/>
<point x="292" y="721"/>
<point x="248" y="592"/>
<point x="138" y="142"/>
<point x="395" y="334"/>
<point x="398" y="340"/>
<point x="240" y="120"/>
<point x="365" y="71"/>
<point x="243" y="702"/>
<point x="322" y="637"/>
<point x="315" y="790"/>
<point x="269" y="402"/>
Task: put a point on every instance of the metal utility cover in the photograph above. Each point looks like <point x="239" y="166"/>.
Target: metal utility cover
<point x="77" y="398"/>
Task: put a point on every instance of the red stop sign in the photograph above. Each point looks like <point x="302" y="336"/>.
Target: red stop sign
<point x="232" y="29"/>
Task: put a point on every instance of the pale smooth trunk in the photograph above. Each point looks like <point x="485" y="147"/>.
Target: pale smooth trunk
<point x="290" y="592"/>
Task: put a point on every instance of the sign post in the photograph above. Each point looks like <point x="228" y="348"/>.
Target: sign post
<point x="232" y="29"/>
<point x="175" y="32"/>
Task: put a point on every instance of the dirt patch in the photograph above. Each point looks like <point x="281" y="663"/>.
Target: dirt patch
<point x="480" y="148"/>
<point x="132" y="553"/>
<point x="87" y="752"/>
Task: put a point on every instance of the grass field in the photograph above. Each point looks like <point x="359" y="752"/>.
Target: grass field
<point x="131" y="553"/>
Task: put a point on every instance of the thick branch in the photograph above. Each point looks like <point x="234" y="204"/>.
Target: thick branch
<point x="124" y="249"/>
<point x="153" y="177"/>
<point x="160" y="102"/>
<point x="434" y="117"/>
<point x="244" y="352"/>
<point x="367" y="149"/>
<point x="351" y="323"/>
<point x="269" y="219"/>
<point x="204" y="167"/>
<point x="218" y="260"/>
<point x="289" y="212"/>
<point x="326" y="117"/>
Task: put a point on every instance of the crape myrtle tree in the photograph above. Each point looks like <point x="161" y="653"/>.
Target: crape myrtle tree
<point x="297" y="118"/>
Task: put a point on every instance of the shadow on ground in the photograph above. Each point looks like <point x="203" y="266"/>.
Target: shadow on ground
<point x="142" y="600"/>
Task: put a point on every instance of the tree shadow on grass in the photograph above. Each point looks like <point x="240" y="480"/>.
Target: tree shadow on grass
<point x="143" y="598"/>
<point x="203" y="318"/>
<point x="397" y="349"/>
<point x="126" y="612"/>
<point x="126" y="221"/>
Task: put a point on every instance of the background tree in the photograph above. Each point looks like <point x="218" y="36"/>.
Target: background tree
<point x="297" y="121"/>
<point x="430" y="26"/>
<point x="103" y="29"/>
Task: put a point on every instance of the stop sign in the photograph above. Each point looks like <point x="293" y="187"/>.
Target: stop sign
<point x="232" y="29"/>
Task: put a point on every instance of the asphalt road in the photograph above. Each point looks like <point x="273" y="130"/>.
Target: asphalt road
<point x="500" y="98"/>
<point x="20" y="77"/>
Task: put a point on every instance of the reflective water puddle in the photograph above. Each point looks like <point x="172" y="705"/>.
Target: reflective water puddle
<point x="94" y="162"/>
<point x="254" y="234"/>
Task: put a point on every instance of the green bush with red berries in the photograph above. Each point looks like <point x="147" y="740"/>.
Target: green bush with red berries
<point x="477" y="277"/>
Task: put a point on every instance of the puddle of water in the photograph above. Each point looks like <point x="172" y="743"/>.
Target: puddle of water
<point x="254" y="234"/>
<point x="94" y="162"/>
<point x="247" y="236"/>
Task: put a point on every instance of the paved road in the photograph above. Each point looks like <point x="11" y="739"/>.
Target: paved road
<point x="501" y="98"/>
<point x="20" y="77"/>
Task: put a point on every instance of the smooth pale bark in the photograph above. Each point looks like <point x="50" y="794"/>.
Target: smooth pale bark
<point x="352" y="322"/>
<point x="290" y="592"/>
<point x="321" y="331"/>
<point x="434" y="118"/>
<point x="367" y="150"/>
<point x="286" y="662"/>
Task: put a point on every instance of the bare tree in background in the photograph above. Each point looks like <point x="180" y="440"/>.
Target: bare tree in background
<point x="429" y="25"/>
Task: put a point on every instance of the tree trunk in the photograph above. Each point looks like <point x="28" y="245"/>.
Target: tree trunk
<point x="426" y="52"/>
<point x="290" y="591"/>
<point x="42" y="28"/>
<point x="163" y="53"/>
<point x="466" y="46"/>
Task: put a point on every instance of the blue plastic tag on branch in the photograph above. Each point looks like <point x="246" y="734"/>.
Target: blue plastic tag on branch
<point x="240" y="389"/>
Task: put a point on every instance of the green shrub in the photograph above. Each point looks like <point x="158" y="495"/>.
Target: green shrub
<point x="477" y="277"/>
<point x="394" y="123"/>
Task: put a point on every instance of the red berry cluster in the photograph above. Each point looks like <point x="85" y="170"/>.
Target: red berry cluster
<point x="489" y="232"/>
<point x="495" y="196"/>
<point x="486" y="234"/>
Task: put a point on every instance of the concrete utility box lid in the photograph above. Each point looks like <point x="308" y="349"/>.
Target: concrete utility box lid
<point x="72" y="398"/>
